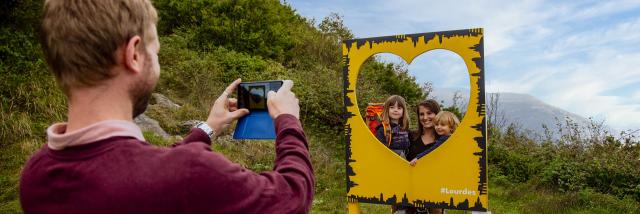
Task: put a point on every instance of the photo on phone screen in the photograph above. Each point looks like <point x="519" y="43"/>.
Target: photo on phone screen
<point x="253" y="95"/>
<point x="257" y="97"/>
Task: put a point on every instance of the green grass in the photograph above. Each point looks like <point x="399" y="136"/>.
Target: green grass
<point x="526" y="198"/>
<point x="530" y="198"/>
<point x="328" y="162"/>
<point x="12" y="158"/>
<point x="26" y="134"/>
<point x="36" y="104"/>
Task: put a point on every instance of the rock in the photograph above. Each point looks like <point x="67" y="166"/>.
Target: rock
<point x="161" y="100"/>
<point x="187" y="125"/>
<point x="148" y="124"/>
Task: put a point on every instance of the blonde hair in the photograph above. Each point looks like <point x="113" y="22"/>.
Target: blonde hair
<point x="392" y="100"/>
<point x="448" y="119"/>
<point x="79" y="37"/>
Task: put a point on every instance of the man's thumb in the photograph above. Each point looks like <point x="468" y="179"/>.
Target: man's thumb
<point x="271" y="94"/>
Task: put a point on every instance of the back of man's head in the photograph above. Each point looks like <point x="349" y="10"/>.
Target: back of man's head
<point x="80" y="37"/>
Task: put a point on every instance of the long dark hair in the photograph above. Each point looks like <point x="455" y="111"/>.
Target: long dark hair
<point x="430" y="104"/>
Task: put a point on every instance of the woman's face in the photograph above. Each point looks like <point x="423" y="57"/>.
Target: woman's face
<point x="426" y="117"/>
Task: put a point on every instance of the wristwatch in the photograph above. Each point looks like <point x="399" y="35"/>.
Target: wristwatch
<point x="207" y="129"/>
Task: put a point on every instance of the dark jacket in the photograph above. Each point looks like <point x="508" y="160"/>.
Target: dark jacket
<point x="399" y="137"/>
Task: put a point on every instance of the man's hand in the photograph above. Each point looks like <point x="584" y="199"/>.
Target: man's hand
<point x="225" y="110"/>
<point x="283" y="102"/>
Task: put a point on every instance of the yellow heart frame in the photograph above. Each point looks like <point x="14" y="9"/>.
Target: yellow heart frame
<point x="377" y="175"/>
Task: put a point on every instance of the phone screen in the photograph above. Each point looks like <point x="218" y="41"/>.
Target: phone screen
<point x="253" y="95"/>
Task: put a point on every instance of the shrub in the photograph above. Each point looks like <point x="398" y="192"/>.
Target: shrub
<point x="565" y="175"/>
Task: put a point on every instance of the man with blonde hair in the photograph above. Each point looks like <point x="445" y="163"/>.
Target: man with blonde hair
<point x="103" y="54"/>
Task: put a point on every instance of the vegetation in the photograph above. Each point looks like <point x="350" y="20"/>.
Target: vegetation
<point x="599" y="163"/>
<point x="206" y="44"/>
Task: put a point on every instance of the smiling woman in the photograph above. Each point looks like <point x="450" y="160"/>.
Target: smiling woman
<point x="424" y="138"/>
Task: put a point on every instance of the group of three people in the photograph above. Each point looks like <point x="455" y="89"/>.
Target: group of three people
<point x="434" y="127"/>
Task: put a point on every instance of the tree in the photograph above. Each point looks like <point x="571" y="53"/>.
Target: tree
<point x="333" y="25"/>
<point x="495" y="115"/>
<point x="264" y="28"/>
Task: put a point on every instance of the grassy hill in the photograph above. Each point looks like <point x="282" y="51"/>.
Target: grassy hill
<point x="206" y="44"/>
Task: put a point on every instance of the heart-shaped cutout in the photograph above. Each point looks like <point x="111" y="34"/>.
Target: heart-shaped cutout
<point x="400" y="102"/>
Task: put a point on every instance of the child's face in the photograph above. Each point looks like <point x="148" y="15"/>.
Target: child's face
<point x="395" y="111"/>
<point x="443" y="129"/>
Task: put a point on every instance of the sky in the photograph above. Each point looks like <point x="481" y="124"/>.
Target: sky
<point x="581" y="56"/>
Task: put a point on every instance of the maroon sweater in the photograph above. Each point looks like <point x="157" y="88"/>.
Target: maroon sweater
<point x="125" y="175"/>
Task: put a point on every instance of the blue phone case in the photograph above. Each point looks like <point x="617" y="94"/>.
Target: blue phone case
<point x="257" y="125"/>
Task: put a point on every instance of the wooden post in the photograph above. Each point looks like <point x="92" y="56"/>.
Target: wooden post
<point x="353" y="207"/>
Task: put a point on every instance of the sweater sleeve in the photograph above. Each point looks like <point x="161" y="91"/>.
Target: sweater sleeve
<point x="380" y="134"/>
<point x="217" y="185"/>
<point x="435" y="145"/>
<point x="195" y="135"/>
<point x="422" y="154"/>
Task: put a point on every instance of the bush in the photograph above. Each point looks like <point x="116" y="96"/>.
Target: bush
<point x="518" y="167"/>
<point x="564" y="175"/>
<point x="261" y="28"/>
<point x="598" y="161"/>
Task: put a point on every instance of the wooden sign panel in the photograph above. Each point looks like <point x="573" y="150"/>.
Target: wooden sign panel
<point x="454" y="175"/>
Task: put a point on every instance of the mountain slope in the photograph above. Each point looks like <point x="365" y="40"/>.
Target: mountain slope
<point x="532" y="114"/>
<point x="522" y="110"/>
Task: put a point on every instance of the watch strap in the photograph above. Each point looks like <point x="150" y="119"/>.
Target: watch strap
<point x="207" y="129"/>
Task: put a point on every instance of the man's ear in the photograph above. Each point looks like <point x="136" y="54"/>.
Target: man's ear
<point x="132" y="57"/>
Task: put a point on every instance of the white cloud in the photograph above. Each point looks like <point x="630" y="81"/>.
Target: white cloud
<point x="577" y="55"/>
<point x="443" y="68"/>
<point x="583" y="91"/>
<point x="579" y="11"/>
<point x="622" y="34"/>
<point x="636" y="96"/>
<point x="502" y="20"/>
<point x="529" y="81"/>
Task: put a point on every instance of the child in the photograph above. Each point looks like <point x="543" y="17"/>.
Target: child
<point x="393" y="132"/>
<point x="445" y="124"/>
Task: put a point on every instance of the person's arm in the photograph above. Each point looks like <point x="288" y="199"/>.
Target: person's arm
<point x="195" y="135"/>
<point x="223" y="112"/>
<point x="216" y="185"/>
<point x="415" y="139"/>
<point x="422" y="154"/>
<point x="380" y="134"/>
<point x="433" y="146"/>
<point x="219" y="186"/>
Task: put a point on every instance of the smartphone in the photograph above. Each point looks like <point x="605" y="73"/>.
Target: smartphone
<point x="253" y="95"/>
<point x="257" y="125"/>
